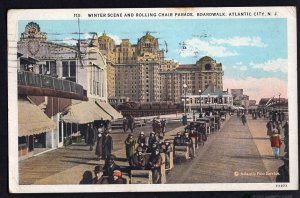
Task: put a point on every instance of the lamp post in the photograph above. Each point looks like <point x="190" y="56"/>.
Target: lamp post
<point x="208" y="95"/>
<point x="200" y="100"/>
<point x="279" y="104"/>
<point x="184" y="87"/>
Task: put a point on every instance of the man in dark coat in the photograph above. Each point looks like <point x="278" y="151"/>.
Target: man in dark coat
<point x="98" y="149"/>
<point x="107" y="145"/>
<point x="91" y="137"/>
<point x="155" y="162"/>
<point x="189" y="142"/>
<point x="163" y="126"/>
<point x="167" y="149"/>
<point x="152" y="139"/>
<point x="141" y="138"/>
<point x="110" y="166"/>
<point x="125" y="125"/>
<point x="178" y="140"/>
<point x="99" y="179"/>
<point x="138" y="161"/>
<point x="131" y="123"/>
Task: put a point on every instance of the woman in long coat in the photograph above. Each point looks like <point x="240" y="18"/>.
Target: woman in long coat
<point x="269" y="128"/>
<point x="275" y="142"/>
<point x="130" y="146"/>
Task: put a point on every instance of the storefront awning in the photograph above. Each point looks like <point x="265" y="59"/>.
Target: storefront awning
<point x="84" y="112"/>
<point x="32" y="120"/>
<point x="109" y="109"/>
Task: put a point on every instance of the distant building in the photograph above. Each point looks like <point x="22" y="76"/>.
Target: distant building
<point x="236" y="92"/>
<point x="141" y="73"/>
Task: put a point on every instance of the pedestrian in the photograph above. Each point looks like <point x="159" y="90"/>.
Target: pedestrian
<point x="178" y="139"/>
<point x="286" y="136"/>
<point x="163" y="123"/>
<point x="98" y="149"/>
<point x="243" y="117"/>
<point x="91" y="137"/>
<point x="138" y="161"/>
<point x="167" y="149"/>
<point x="87" y="178"/>
<point x="110" y="166"/>
<point x="131" y="123"/>
<point x="141" y="138"/>
<point x="125" y="125"/>
<point x="143" y="147"/>
<point x="155" y="162"/>
<point x="130" y="143"/>
<point x="116" y="178"/>
<point x="275" y="142"/>
<point x="269" y="128"/>
<point x="107" y="145"/>
<point x="284" y="175"/>
<point x="152" y="139"/>
<point x="189" y="142"/>
<point x="99" y="178"/>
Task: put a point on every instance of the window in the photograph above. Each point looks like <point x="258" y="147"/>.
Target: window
<point x="69" y="70"/>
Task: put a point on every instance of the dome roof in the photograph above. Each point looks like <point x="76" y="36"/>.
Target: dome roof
<point x="148" y="37"/>
<point x="104" y="37"/>
<point x="206" y="58"/>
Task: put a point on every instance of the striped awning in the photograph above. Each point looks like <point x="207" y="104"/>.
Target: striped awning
<point x="110" y="110"/>
<point x="32" y="120"/>
<point x="84" y="112"/>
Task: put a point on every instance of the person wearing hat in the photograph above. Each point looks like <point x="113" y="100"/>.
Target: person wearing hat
<point x="125" y="124"/>
<point x="107" y="145"/>
<point x="275" y="142"/>
<point x="189" y="142"/>
<point x="98" y="149"/>
<point x="178" y="139"/>
<point x="155" y="162"/>
<point x="138" y="161"/>
<point x="30" y="68"/>
<point x="152" y="139"/>
<point x="116" y="178"/>
<point x="163" y="126"/>
<point x="284" y="173"/>
<point x="141" y="138"/>
<point x="167" y="149"/>
<point x="130" y="143"/>
<point x="99" y="179"/>
<point x="110" y="166"/>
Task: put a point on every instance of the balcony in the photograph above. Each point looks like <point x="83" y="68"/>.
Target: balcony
<point x="33" y="84"/>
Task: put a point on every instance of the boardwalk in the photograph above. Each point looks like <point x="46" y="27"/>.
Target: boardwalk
<point x="231" y="156"/>
<point x="66" y="165"/>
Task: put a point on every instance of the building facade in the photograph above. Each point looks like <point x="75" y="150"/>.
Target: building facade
<point x="133" y="69"/>
<point x="54" y="66"/>
<point x="197" y="77"/>
<point x="141" y="73"/>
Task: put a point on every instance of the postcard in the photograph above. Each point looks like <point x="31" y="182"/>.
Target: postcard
<point x="156" y="99"/>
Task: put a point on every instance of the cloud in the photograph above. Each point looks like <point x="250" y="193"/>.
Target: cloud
<point x="240" y="67"/>
<point x="69" y="41"/>
<point x="279" y="64"/>
<point x="258" y="88"/>
<point x="243" y="68"/>
<point x="116" y="38"/>
<point x="239" y="63"/>
<point x="240" y="41"/>
<point x="195" y="47"/>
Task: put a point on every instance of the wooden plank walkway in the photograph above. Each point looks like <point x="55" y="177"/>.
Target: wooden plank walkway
<point x="230" y="156"/>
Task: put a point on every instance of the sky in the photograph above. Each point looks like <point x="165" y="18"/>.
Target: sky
<point x="253" y="52"/>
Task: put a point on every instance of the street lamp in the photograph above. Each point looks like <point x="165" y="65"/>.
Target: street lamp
<point x="200" y="101"/>
<point x="279" y="104"/>
<point x="184" y="87"/>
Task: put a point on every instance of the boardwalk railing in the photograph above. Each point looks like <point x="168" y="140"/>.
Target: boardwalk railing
<point x="44" y="81"/>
